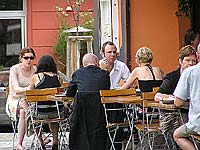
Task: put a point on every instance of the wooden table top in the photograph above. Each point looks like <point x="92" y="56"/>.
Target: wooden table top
<point x="60" y="98"/>
<point x="122" y="99"/>
<point x="168" y="106"/>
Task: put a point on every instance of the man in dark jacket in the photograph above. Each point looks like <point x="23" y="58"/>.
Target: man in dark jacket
<point x="87" y="121"/>
<point x="89" y="78"/>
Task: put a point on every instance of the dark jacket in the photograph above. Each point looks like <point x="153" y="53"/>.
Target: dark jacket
<point x="169" y="83"/>
<point x="90" y="78"/>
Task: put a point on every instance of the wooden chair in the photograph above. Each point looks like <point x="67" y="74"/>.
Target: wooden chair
<point x="127" y="96"/>
<point x="150" y="126"/>
<point x="195" y="140"/>
<point x="41" y="95"/>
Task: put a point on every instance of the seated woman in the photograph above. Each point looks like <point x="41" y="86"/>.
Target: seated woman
<point x="19" y="80"/>
<point x="187" y="57"/>
<point x="46" y="77"/>
<point x="146" y="75"/>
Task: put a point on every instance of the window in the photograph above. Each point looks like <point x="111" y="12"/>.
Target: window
<point x="12" y="31"/>
<point x="110" y="21"/>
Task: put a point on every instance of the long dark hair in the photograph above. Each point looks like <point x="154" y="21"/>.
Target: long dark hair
<point x="46" y="64"/>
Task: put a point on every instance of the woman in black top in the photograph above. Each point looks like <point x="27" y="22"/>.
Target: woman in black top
<point x="168" y="120"/>
<point x="147" y="75"/>
<point x="46" y="77"/>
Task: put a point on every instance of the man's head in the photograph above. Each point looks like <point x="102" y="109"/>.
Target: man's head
<point x="109" y="51"/>
<point x="187" y="56"/>
<point x="90" y="59"/>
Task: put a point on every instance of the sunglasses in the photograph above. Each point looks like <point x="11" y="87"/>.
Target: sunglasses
<point x="26" y="58"/>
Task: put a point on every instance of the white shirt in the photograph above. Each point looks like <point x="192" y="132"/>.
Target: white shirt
<point x="119" y="71"/>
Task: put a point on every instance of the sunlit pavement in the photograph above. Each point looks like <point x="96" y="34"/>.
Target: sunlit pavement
<point x="6" y="142"/>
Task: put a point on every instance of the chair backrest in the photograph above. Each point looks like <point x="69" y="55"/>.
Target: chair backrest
<point x="36" y="95"/>
<point x="7" y="91"/>
<point x="107" y="95"/>
<point x="148" y="98"/>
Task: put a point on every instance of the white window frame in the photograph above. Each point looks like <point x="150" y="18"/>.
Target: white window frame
<point x="109" y="22"/>
<point x="18" y="15"/>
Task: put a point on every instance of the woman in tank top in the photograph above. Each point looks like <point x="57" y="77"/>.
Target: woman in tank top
<point x="147" y="75"/>
<point x="19" y="79"/>
<point x="47" y="77"/>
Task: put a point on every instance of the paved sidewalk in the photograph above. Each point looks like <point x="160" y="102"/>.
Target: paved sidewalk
<point x="6" y="142"/>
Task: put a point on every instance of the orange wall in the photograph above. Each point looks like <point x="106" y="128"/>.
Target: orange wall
<point x="154" y="24"/>
<point x="42" y="24"/>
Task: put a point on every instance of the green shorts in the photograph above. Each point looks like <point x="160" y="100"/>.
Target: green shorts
<point x="184" y="131"/>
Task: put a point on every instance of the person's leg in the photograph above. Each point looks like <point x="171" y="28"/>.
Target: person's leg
<point x="21" y="129"/>
<point x="181" y="137"/>
<point x="54" y="127"/>
<point x="22" y="124"/>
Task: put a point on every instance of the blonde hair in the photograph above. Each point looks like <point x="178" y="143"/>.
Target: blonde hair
<point x="144" y="55"/>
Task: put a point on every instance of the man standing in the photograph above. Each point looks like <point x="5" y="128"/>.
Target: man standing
<point x="118" y="69"/>
<point x="188" y="88"/>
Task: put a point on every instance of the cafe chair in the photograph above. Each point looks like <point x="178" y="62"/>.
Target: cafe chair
<point x="128" y="98"/>
<point x="148" y="129"/>
<point x="196" y="140"/>
<point x="37" y="124"/>
<point x="14" y="122"/>
<point x="87" y="122"/>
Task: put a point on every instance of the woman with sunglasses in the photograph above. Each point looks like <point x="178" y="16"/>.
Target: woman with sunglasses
<point x="19" y="80"/>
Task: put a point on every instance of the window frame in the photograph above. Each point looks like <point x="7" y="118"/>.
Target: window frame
<point x="21" y="14"/>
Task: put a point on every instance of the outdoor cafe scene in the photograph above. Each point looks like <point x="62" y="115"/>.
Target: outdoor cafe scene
<point x="104" y="105"/>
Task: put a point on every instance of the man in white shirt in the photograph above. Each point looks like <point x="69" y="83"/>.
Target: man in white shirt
<point x="118" y="69"/>
<point x="188" y="88"/>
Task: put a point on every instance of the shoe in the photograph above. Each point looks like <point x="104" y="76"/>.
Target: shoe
<point x="55" y="147"/>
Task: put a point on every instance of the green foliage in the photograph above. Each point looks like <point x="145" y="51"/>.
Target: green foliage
<point x="1" y="67"/>
<point x="184" y="8"/>
<point x="62" y="15"/>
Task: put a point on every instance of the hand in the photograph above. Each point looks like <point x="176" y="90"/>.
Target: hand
<point x="103" y="63"/>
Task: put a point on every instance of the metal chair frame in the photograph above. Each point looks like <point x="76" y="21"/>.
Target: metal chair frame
<point x="129" y="111"/>
<point x="42" y="95"/>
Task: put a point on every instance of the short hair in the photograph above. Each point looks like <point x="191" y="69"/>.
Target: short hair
<point x="186" y="51"/>
<point x="46" y="64"/>
<point x="144" y="54"/>
<point x="90" y="59"/>
<point x="107" y="43"/>
<point x="24" y="51"/>
<point x="190" y="35"/>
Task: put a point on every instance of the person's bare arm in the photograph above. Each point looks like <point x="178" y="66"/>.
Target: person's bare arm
<point x="160" y="96"/>
<point x="131" y="79"/>
<point x="178" y="102"/>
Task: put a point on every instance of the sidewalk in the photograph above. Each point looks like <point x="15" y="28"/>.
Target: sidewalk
<point x="6" y="142"/>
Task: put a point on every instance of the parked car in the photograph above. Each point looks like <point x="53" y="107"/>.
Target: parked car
<point x="4" y="77"/>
